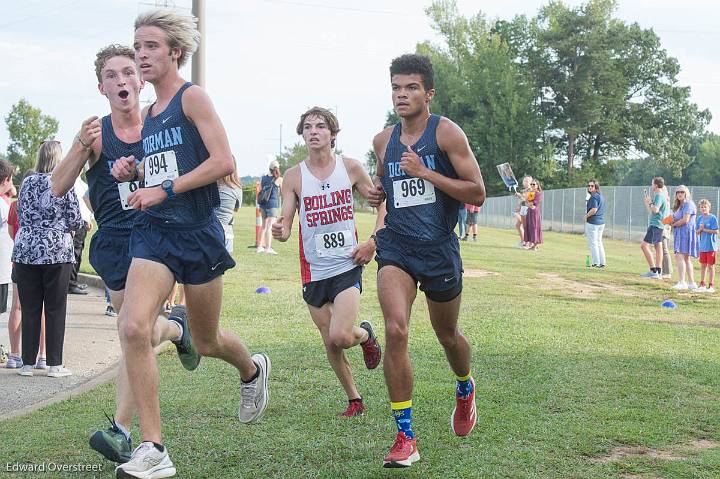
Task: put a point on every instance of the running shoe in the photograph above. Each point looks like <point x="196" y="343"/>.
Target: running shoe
<point x="254" y="395"/>
<point x="14" y="362"/>
<point x="147" y="462"/>
<point x="26" y="370"/>
<point x="58" y="372"/>
<point x="371" y="348"/>
<point x="403" y="453"/>
<point x="110" y="311"/>
<point x="464" y="416"/>
<point x="187" y="353"/>
<point x="355" y="408"/>
<point x="651" y="275"/>
<point x="41" y="363"/>
<point x="112" y="443"/>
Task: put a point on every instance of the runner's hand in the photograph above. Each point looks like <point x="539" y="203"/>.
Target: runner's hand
<point x="363" y="253"/>
<point x="410" y="163"/>
<point x="278" y="230"/>
<point x="144" y="198"/>
<point x="376" y="195"/>
<point x="89" y="130"/>
<point x="124" y="168"/>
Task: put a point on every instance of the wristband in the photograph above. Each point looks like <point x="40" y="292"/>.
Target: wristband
<point x="87" y="147"/>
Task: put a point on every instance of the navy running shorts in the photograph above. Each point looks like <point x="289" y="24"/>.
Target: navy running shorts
<point x="436" y="265"/>
<point x="109" y="256"/>
<point x="318" y="293"/>
<point x="194" y="253"/>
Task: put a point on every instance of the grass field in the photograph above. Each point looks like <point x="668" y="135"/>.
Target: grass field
<point x="580" y="374"/>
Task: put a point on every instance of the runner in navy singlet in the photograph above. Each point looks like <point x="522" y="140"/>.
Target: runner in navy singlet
<point x="320" y="188"/>
<point x="97" y="145"/>
<point x="426" y="170"/>
<point x="177" y="237"/>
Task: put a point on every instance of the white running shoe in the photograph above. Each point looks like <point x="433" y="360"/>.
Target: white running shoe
<point x="260" y="249"/>
<point x="692" y="286"/>
<point x="270" y="251"/>
<point x="146" y="462"/>
<point x="58" y="372"/>
<point x="680" y="286"/>
<point x="698" y="289"/>
<point x="26" y="370"/>
<point x="254" y="395"/>
<point x="709" y="289"/>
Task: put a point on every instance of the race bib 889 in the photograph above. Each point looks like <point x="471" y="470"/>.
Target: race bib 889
<point x="336" y="243"/>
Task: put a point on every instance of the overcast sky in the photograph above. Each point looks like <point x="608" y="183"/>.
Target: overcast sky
<point x="270" y="60"/>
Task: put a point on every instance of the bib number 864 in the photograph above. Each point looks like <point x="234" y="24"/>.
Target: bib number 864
<point x="334" y="240"/>
<point x="412" y="187"/>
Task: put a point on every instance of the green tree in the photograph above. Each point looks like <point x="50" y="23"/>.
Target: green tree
<point x="291" y="156"/>
<point x="606" y="88"/>
<point x="27" y="128"/>
<point x="479" y="87"/>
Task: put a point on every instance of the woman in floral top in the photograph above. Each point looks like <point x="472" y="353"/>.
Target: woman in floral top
<point x="43" y="256"/>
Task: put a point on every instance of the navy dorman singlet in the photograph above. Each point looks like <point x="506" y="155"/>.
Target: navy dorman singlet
<point x="415" y="208"/>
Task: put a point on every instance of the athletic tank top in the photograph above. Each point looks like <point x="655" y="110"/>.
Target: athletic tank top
<point x="415" y="207"/>
<point x="173" y="147"/>
<point x="107" y="196"/>
<point x="327" y="224"/>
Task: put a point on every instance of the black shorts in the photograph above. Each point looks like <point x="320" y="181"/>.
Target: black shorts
<point x="653" y="235"/>
<point x="194" y="253"/>
<point x="323" y="291"/>
<point x="4" y="297"/>
<point x="110" y="256"/>
<point x="436" y="265"/>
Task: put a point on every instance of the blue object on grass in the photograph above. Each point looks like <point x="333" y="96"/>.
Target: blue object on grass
<point x="263" y="290"/>
<point x="668" y="304"/>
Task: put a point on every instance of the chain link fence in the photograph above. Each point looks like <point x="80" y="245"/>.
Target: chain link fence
<point x="562" y="210"/>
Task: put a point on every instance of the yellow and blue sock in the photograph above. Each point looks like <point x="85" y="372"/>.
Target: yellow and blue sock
<point x="402" y="412"/>
<point x="463" y="387"/>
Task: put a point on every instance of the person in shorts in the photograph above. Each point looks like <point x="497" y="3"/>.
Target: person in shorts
<point x="656" y="203"/>
<point x="426" y="169"/>
<point x="321" y="188"/>
<point x="177" y="237"/>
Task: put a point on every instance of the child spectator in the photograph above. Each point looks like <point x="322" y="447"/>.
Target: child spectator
<point x="707" y="230"/>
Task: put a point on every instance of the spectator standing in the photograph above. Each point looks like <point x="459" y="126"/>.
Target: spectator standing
<point x="472" y="219"/>
<point x="462" y="219"/>
<point x="595" y="224"/>
<point x="269" y="203"/>
<point x="533" y="219"/>
<point x="656" y="203"/>
<point x="6" y="242"/>
<point x="685" y="241"/>
<point x="15" y="315"/>
<point x="707" y="230"/>
<point x="79" y="236"/>
<point x="230" y="191"/>
<point x="43" y="256"/>
<point x="521" y="210"/>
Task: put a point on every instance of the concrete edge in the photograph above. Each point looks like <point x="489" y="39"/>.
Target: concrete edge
<point x="104" y="377"/>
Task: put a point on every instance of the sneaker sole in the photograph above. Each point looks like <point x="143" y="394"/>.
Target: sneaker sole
<point x="58" y="375"/>
<point x="265" y="389"/>
<point x="99" y="444"/>
<point x="414" y="457"/>
<point x="27" y="375"/>
<point x="158" y="474"/>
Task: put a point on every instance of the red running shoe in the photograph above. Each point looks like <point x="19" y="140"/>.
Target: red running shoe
<point x="464" y="416"/>
<point x="371" y="348"/>
<point x="355" y="408"/>
<point x="403" y="453"/>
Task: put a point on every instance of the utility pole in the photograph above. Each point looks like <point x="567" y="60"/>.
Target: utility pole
<point x="198" y="59"/>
